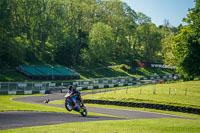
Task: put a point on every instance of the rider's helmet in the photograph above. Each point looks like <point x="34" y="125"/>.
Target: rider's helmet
<point x="71" y="88"/>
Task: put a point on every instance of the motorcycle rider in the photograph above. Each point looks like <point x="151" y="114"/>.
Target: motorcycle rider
<point x="74" y="92"/>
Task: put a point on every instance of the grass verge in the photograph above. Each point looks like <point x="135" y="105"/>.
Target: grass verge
<point x="165" y="125"/>
<point x="186" y="94"/>
<point x="6" y="104"/>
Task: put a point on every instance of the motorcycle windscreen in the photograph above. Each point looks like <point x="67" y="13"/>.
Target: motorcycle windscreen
<point x="67" y="95"/>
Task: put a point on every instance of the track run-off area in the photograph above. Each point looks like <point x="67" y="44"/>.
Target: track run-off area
<point x="18" y="119"/>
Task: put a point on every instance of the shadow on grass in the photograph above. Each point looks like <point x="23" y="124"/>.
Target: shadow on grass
<point x="101" y="73"/>
<point x="111" y="72"/>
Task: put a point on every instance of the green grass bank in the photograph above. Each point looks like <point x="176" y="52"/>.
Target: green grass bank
<point x="12" y="75"/>
<point x="123" y="126"/>
<point x="186" y="94"/>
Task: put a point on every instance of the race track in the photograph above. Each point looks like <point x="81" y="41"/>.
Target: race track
<point x="17" y="119"/>
<point x="9" y="120"/>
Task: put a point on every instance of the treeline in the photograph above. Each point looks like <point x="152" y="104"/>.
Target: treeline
<point x="75" y="32"/>
<point x="84" y="33"/>
<point x="183" y="49"/>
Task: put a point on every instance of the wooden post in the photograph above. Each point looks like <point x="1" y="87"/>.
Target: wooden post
<point x="154" y="91"/>
<point x="185" y="91"/>
<point x="169" y="91"/>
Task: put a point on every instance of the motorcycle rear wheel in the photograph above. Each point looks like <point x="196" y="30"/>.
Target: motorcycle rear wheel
<point x="69" y="104"/>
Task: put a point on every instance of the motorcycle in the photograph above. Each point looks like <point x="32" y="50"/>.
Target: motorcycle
<point x="70" y="101"/>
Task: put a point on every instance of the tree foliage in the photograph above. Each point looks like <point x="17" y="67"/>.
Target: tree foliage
<point x="150" y="40"/>
<point x="75" y="32"/>
<point x="187" y="44"/>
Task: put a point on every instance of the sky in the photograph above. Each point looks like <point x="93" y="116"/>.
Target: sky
<point x="172" y="10"/>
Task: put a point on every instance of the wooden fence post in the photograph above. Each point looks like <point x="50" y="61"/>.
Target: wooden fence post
<point x="185" y="91"/>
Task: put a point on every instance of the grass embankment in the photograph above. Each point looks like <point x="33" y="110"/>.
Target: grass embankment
<point x="6" y="104"/>
<point x="12" y="76"/>
<point x="185" y="94"/>
<point x="113" y="71"/>
<point x="116" y="71"/>
<point x="120" y="126"/>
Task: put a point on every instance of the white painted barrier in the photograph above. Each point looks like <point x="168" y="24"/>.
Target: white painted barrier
<point x="130" y="79"/>
<point x="38" y="85"/>
<point x="22" y="85"/>
<point x="129" y="84"/>
<point x="123" y="80"/>
<point x="79" y="88"/>
<point x="158" y="77"/>
<point x="101" y="86"/>
<point x="95" y="82"/>
<point x="85" y="83"/>
<point x="164" y="77"/>
<point x="114" y="81"/>
<point x="75" y="83"/>
<point x="42" y="92"/>
<point x="90" y="87"/>
<point x="12" y="92"/>
<point x="151" y="78"/>
<point x="105" y="82"/>
<point x="28" y="92"/>
<point x="64" y="90"/>
<point x="111" y="85"/>
<point x="52" y="84"/>
<point x="120" y="85"/>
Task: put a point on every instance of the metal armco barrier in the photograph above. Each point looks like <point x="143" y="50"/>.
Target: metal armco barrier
<point x="8" y="88"/>
<point x="13" y="88"/>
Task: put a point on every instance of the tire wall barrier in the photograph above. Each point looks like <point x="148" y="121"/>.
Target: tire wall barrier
<point x="146" y="105"/>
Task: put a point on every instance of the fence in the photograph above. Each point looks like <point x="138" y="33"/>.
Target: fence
<point x="119" y="81"/>
<point x="24" y="88"/>
<point x="13" y="88"/>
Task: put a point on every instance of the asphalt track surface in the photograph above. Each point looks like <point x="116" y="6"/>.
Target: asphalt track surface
<point x="18" y="119"/>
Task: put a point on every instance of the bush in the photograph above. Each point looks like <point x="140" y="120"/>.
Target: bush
<point x="125" y="67"/>
<point x="197" y="79"/>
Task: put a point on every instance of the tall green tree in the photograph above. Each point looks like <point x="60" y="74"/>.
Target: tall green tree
<point x="149" y="40"/>
<point x="100" y="44"/>
<point x="187" y="44"/>
<point x="168" y="46"/>
<point x="142" y="18"/>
